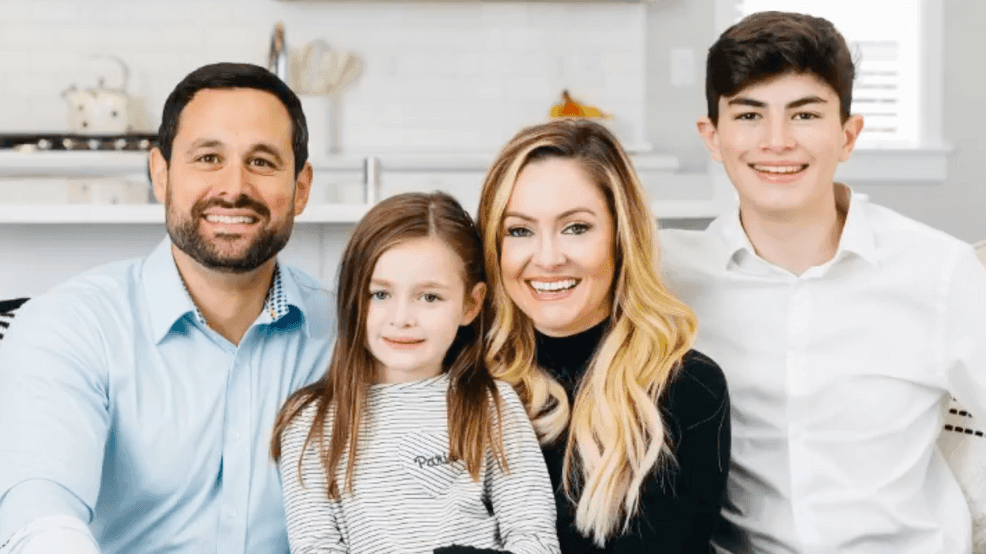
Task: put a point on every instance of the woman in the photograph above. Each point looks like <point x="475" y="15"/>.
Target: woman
<point x="634" y="425"/>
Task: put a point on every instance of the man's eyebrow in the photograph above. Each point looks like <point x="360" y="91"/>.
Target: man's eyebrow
<point x="268" y="149"/>
<point x="204" y="143"/>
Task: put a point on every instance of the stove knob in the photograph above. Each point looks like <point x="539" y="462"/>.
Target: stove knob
<point x="120" y="143"/>
<point x="94" y="144"/>
<point x="44" y="144"/>
<point x="68" y="143"/>
<point x="144" y="144"/>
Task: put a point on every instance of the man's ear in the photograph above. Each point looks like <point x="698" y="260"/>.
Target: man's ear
<point x="157" y="168"/>
<point x="473" y="304"/>
<point x="710" y="135"/>
<point x="303" y="188"/>
<point x="851" y="130"/>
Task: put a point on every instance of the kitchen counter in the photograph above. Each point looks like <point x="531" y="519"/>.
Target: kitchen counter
<point x="111" y="187"/>
<point x="76" y="163"/>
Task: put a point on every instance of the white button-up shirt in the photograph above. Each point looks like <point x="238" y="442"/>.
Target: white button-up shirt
<point x="838" y="379"/>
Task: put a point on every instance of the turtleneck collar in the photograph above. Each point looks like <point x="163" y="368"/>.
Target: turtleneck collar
<point x="567" y="358"/>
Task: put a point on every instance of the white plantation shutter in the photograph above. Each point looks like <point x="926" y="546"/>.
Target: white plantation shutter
<point x="885" y="38"/>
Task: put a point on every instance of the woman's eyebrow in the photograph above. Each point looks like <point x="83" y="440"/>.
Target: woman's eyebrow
<point x="562" y="215"/>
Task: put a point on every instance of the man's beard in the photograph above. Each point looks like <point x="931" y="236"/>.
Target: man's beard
<point x="185" y="234"/>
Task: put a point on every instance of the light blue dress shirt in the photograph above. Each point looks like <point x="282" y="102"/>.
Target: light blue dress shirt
<point x="118" y="403"/>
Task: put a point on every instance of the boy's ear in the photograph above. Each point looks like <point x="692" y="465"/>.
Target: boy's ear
<point x="851" y="130"/>
<point x="473" y="304"/>
<point x="157" y="167"/>
<point x="710" y="135"/>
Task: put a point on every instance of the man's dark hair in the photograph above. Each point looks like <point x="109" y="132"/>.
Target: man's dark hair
<point x="228" y="76"/>
<point x="765" y="45"/>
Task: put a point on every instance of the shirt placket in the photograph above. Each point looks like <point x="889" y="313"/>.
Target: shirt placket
<point x="799" y="330"/>
<point x="236" y="462"/>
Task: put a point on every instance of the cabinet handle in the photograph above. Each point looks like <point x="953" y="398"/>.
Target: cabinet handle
<point x="371" y="180"/>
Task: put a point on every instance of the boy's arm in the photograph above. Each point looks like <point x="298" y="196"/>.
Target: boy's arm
<point x="54" y="416"/>
<point x="964" y="333"/>
<point x="522" y="498"/>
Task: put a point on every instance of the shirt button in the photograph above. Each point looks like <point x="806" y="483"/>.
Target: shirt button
<point x="231" y="512"/>
<point x="236" y="436"/>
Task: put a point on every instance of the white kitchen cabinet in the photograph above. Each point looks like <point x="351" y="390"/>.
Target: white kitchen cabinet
<point x="464" y="185"/>
<point x="338" y="189"/>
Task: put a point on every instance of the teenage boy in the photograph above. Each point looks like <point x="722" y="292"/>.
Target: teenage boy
<point x="842" y="326"/>
<point x="137" y="400"/>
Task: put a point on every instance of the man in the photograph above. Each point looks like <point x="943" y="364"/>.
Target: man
<point x="842" y="326"/>
<point x="137" y="400"/>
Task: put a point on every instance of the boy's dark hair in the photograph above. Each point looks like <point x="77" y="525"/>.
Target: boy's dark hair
<point x="765" y="45"/>
<point x="227" y="76"/>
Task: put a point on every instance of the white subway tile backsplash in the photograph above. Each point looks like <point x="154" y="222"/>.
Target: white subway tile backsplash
<point x="55" y="11"/>
<point x="449" y="76"/>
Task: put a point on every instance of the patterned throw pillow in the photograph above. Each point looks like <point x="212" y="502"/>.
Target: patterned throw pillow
<point x="963" y="443"/>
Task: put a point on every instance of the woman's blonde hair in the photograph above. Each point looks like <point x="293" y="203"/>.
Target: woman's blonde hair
<point x="616" y="436"/>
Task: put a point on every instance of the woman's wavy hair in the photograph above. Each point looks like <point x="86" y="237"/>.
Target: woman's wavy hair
<point x="343" y="390"/>
<point x="615" y="435"/>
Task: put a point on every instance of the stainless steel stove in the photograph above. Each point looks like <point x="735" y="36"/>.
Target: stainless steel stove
<point x="68" y="141"/>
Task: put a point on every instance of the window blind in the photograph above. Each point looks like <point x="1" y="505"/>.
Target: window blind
<point x="885" y="39"/>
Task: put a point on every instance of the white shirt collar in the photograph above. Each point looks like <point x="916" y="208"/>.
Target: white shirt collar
<point x="857" y="238"/>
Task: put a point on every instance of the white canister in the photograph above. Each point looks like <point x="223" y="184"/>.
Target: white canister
<point x="319" y="116"/>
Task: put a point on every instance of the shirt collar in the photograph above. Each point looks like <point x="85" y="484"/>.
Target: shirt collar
<point x="858" y="236"/>
<point x="169" y="302"/>
<point x="857" y="233"/>
<point x="732" y="237"/>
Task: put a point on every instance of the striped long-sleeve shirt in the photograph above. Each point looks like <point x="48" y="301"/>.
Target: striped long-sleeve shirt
<point x="407" y="496"/>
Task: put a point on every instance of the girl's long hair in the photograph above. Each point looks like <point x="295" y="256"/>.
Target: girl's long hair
<point x="343" y="390"/>
<point x="616" y="436"/>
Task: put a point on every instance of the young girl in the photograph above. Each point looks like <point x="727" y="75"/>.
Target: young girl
<point x="407" y="445"/>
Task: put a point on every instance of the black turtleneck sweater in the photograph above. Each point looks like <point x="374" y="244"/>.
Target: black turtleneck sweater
<point x="680" y="505"/>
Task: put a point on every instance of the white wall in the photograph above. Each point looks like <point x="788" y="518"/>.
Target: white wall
<point x="673" y="109"/>
<point x="438" y="76"/>
<point x="957" y="206"/>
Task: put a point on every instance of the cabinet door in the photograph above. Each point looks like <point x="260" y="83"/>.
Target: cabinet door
<point x="334" y="186"/>
<point x="465" y="186"/>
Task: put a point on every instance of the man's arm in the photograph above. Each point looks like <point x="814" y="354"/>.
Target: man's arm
<point x="54" y="417"/>
<point x="52" y="535"/>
